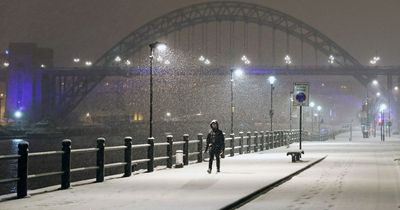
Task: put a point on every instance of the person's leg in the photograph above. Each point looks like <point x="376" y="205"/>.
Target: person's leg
<point x="212" y="154"/>
<point x="217" y="156"/>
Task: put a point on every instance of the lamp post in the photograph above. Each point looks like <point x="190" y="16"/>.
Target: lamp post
<point x="160" y="46"/>
<point x="290" y="111"/>
<point x="1" y="113"/>
<point x="271" y="80"/>
<point x="382" y="109"/>
<point x="319" y="108"/>
<point x="237" y="72"/>
<point x="312" y="104"/>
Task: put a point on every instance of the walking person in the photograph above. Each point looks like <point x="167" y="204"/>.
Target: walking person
<point x="215" y="145"/>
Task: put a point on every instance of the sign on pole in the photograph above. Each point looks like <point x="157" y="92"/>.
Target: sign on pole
<point x="301" y="94"/>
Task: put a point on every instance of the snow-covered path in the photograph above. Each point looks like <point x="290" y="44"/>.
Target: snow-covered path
<point x="187" y="188"/>
<point x="362" y="174"/>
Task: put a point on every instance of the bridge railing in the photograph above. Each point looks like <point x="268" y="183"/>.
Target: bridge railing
<point x="243" y="143"/>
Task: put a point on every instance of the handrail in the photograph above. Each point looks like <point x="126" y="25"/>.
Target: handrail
<point x="247" y="143"/>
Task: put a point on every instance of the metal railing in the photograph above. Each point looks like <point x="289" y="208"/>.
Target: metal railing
<point x="240" y="144"/>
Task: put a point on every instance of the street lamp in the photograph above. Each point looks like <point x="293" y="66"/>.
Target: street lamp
<point x="319" y="108"/>
<point x="1" y="113"/>
<point x="161" y="47"/>
<point x="237" y="72"/>
<point x="382" y="109"/>
<point x="271" y="80"/>
<point x="312" y="104"/>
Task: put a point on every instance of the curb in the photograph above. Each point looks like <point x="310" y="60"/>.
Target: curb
<point x="248" y="198"/>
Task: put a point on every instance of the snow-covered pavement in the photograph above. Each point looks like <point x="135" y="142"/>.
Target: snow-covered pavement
<point x="362" y="174"/>
<point x="187" y="188"/>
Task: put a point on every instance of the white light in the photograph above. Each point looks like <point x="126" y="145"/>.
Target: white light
<point x="396" y="88"/>
<point x="319" y="108"/>
<point x="382" y="107"/>
<point x="288" y="60"/>
<point x="42" y="66"/>
<point x="238" y="72"/>
<point x="312" y="104"/>
<point x="128" y="62"/>
<point x="331" y="59"/>
<point x="378" y="94"/>
<point x="167" y="62"/>
<point x="88" y="114"/>
<point x="375" y="82"/>
<point x="76" y="60"/>
<point x="88" y="63"/>
<point x="159" y="59"/>
<point x="7" y="52"/>
<point x="201" y="58"/>
<point x="161" y="47"/>
<point x="207" y="62"/>
<point x="244" y="58"/>
<point x="271" y="80"/>
<point x="1" y="95"/>
<point x="168" y="114"/>
<point x="6" y="64"/>
<point x="247" y="62"/>
<point x="372" y="61"/>
<point x="18" y="114"/>
<point x="117" y="59"/>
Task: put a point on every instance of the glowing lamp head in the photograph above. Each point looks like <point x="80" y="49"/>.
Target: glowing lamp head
<point x="319" y="108"/>
<point x="382" y="107"/>
<point x="271" y="80"/>
<point x="312" y="104"/>
<point x="18" y="114"/>
<point x="238" y="72"/>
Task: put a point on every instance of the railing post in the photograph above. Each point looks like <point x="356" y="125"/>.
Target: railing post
<point x="256" y="141"/>
<point x="267" y="134"/>
<point x="248" y="142"/>
<point x="262" y="141"/>
<point x="275" y="138"/>
<point x="150" y="154"/>
<point x="186" y="149"/>
<point x="170" y="140"/>
<point x="241" y="143"/>
<point x="128" y="156"/>
<point x="22" y="184"/>
<point x="100" y="159"/>
<point x="200" y="148"/>
<point x="232" y="144"/>
<point x="280" y="138"/>
<point x="66" y="164"/>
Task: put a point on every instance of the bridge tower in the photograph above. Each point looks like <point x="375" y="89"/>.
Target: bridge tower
<point x="24" y="81"/>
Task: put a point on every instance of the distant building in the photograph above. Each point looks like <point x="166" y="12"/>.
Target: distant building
<point x="24" y="85"/>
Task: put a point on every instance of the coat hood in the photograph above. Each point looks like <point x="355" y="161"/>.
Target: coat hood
<point x="216" y="122"/>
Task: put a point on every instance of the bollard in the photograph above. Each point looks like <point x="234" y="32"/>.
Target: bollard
<point x="249" y="142"/>
<point x="100" y="159"/>
<point x="170" y="140"/>
<point x="256" y="141"/>
<point x="22" y="184"/>
<point x="200" y="148"/>
<point x="186" y="149"/>
<point x="128" y="156"/>
<point x="232" y="145"/>
<point x="241" y="143"/>
<point x="267" y="134"/>
<point x="150" y="154"/>
<point x="179" y="159"/>
<point x="66" y="164"/>
<point x="262" y="141"/>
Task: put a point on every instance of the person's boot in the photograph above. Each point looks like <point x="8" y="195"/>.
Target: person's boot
<point x="218" y="171"/>
<point x="209" y="171"/>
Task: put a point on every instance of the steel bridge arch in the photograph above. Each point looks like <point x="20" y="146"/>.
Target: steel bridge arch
<point x="225" y="11"/>
<point x="203" y="13"/>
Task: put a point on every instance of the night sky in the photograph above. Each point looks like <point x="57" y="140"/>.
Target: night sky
<point x="87" y="28"/>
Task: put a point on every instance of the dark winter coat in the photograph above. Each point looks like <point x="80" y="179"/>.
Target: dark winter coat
<point x="215" y="139"/>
